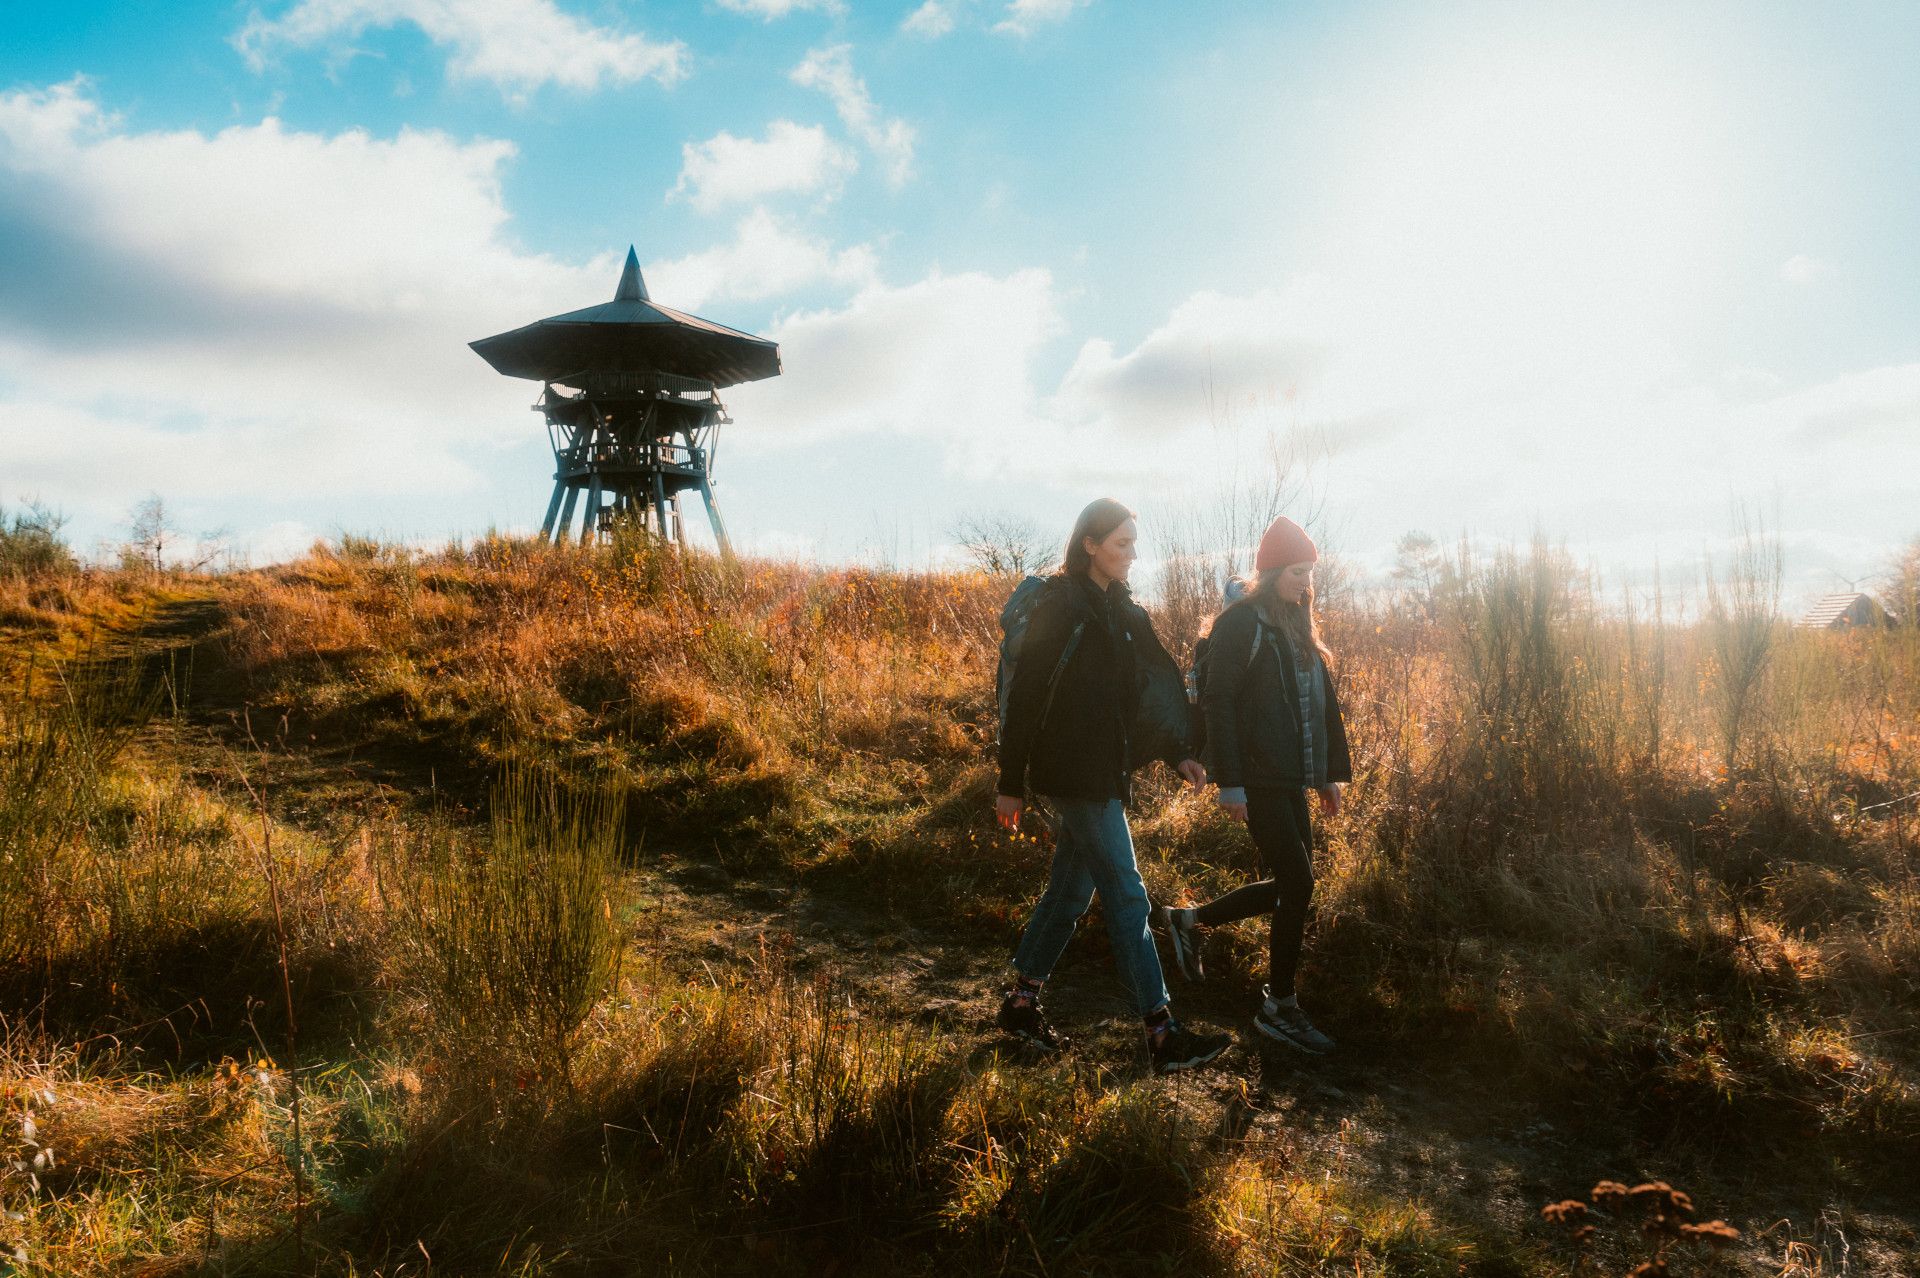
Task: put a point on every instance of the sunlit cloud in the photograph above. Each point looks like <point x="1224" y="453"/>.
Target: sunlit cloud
<point x="516" y="45"/>
<point x="830" y="70"/>
<point x="1024" y="17"/>
<point x="792" y="158"/>
<point x="931" y="20"/>
<point x="1802" y="269"/>
<point x="769" y="10"/>
<point x="948" y="357"/>
<point x="765" y="258"/>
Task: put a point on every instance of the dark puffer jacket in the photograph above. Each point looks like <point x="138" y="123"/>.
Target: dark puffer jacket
<point x="1252" y="709"/>
<point x="1080" y="736"/>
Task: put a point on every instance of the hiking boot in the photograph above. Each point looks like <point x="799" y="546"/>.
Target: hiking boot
<point x="1021" y="1017"/>
<point x="1180" y="1048"/>
<point x="1184" y="936"/>
<point x="1286" y="1023"/>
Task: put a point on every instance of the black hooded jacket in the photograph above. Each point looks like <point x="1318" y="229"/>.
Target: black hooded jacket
<point x="1252" y="709"/>
<point x="1079" y="737"/>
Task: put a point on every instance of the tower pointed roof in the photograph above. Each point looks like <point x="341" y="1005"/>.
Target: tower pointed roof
<point x="631" y="334"/>
<point x="633" y="285"/>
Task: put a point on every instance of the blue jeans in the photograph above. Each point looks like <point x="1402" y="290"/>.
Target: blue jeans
<point x="1093" y="852"/>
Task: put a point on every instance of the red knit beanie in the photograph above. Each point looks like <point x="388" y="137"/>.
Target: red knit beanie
<point x="1285" y="543"/>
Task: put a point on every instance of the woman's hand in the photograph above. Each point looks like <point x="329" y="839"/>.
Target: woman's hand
<point x="1007" y="811"/>
<point x="1329" y="799"/>
<point x="1238" y="811"/>
<point x="1194" y="772"/>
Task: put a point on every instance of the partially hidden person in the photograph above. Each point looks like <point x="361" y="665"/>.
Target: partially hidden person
<point x="1071" y="735"/>
<point x="1275" y="737"/>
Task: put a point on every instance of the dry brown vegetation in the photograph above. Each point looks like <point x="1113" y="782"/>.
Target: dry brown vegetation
<point x="1655" y="882"/>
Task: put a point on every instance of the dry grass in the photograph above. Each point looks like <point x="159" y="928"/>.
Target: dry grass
<point x="1546" y="830"/>
<point x="1549" y="868"/>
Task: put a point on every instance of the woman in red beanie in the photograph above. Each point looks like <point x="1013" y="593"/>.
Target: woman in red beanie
<point x="1274" y="732"/>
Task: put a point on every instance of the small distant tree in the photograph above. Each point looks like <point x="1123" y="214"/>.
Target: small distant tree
<point x="150" y="533"/>
<point x="1901" y="597"/>
<point x="31" y="544"/>
<point x="1004" y="545"/>
<point x="1417" y="569"/>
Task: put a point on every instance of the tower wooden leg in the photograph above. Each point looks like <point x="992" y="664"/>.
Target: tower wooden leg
<point x="713" y="514"/>
<point x="561" y="529"/>
<point x="590" y="524"/>
<point x="679" y="522"/>
<point x="553" y="507"/>
<point x="660" y="505"/>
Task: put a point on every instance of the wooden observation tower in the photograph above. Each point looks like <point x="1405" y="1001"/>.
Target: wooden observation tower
<point x="632" y="406"/>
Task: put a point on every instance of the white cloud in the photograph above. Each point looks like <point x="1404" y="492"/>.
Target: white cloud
<point x="1802" y="269"/>
<point x="830" y="70"/>
<point x="768" y="10"/>
<point x="1875" y="407"/>
<point x="1213" y="349"/>
<point x="931" y="20"/>
<point x="256" y="319"/>
<point x="517" y="45"/>
<point x="792" y="158"/>
<point x="766" y="258"/>
<point x="949" y="357"/>
<point x="1024" y="17"/>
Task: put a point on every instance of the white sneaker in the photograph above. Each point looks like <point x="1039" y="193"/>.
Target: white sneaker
<point x="1286" y="1023"/>
<point x="1184" y="937"/>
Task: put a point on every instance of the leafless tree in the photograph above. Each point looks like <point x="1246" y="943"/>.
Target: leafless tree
<point x="1901" y="596"/>
<point x="1004" y="545"/>
<point x="150" y="534"/>
<point x="1417" y="569"/>
<point x="1214" y="537"/>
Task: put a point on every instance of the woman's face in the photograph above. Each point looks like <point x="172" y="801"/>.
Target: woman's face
<point x="1114" y="557"/>
<point x="1295" y="581"/>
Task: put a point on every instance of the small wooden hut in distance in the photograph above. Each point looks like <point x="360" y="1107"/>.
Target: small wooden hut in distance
<point x="1846" y="611"/>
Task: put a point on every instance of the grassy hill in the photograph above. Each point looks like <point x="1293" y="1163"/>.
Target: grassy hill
<point x="546" y="911"/>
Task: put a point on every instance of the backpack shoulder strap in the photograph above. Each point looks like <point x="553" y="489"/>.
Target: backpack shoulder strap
<point x="1060" y="667"/>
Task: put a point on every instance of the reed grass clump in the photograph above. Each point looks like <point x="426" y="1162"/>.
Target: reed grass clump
<point x="507" y="942"/>
<point x="60" y="736"/>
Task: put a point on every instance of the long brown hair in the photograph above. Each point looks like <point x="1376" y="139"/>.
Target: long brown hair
<point x="1098" y="520"/>
<point x="1296" y="620"/>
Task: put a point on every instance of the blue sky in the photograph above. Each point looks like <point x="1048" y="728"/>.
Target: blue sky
<point x="1605" y="270"/>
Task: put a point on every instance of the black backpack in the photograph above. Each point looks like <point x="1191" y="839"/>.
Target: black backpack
<point x="1013" y="630"/>
<point x="1203" y="656"/>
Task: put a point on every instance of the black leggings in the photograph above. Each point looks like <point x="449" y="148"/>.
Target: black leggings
<point x="1282" y="830"/>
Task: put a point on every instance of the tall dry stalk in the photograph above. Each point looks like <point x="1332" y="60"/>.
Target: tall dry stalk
<point x="1646" y="642"/>
<point x="1743" y="629"/>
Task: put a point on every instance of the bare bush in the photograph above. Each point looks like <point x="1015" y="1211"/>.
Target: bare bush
<point x="31" y="544"/>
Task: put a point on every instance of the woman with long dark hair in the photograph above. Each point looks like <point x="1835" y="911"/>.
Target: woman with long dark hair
<point x="1087" y="662"/>
<point x="1274" y="733"/>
